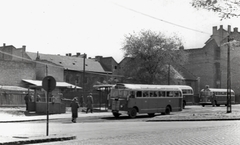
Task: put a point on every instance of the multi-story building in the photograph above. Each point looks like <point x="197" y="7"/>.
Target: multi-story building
<point x="210" y="62"/>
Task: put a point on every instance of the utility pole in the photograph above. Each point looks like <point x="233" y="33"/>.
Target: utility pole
<point x="169" y="74"/>
<point x="83" y="75"/>
<point x="229" y="107"/>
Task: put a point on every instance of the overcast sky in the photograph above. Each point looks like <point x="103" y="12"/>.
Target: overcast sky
<point x="97" y="27"/>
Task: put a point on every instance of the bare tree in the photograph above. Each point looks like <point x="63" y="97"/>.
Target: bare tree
<point x="149" y="54"/>
<point x="225" y="8"/>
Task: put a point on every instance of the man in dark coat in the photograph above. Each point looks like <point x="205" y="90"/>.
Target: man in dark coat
<point x="27" y="99"/>
<point x="89" y="103"/>
<point x="74" y="107"/>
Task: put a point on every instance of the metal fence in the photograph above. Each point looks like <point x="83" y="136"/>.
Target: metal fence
<point x="12" y="99"/>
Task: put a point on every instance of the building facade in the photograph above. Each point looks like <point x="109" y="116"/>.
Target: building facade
<point x="210" y="62"/>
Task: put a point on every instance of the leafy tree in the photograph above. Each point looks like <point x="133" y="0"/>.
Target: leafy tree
<point x="149" y="53"/>
<point x="226" y="8"/>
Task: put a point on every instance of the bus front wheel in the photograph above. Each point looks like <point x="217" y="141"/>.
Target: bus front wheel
<point x="132" y="113"/>
<point x="116" y="115"/>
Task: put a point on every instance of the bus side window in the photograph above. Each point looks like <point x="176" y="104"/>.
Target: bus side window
<point x="145" y="94"/>
<point x="168" y="94"/>
<point x="177" y="94"/>
<point x="139" y="93"/>
<point x="132" y="94"/>
<point x="155" y="94"/>
<point x="151" y="94"/>
<point x="161" y="94"/>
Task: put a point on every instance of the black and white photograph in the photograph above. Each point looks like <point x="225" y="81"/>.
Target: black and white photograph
<point x="120" y="72"/>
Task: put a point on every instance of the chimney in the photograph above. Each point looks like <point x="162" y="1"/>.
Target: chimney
<point x="221" y="27"/>
<point x="98" y="58"/>
<point x="214" y="30"/>
<point x="4" y="44"/>
<point x="78" y="54"/>
<point x="229" y="29"/>
<point x="235" y="29"/>
<point x="24" y="48"/>
<point x="69" y="54"/>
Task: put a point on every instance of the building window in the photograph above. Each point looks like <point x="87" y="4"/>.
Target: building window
<point x="217" y="53"/>
<point x="85" y="80"/>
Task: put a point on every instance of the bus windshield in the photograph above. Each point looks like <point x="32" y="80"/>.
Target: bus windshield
<point x="205" y="93"/>
<point x="119" y="93"/>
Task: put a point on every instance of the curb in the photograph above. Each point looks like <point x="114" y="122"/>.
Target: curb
<point x="32" y="120"/>
<point x="39" y="140"/>
<point x="172" y="120"/>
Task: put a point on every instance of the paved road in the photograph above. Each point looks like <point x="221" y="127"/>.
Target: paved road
<point x="139" y="133"/>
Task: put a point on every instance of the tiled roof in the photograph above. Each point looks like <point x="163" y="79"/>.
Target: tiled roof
<point x="70" y="62"/>
<point x="185" y="73"/>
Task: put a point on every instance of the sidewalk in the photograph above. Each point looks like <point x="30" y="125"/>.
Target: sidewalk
<point x="20" y="115"/>
<point x="10" y="115"/>
<point x="191" y="113"/>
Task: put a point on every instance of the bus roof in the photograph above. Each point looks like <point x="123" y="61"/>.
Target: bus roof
<point x="147" y="87"/>
<point x="217" y="90"/>
<point x="103" y="86"/>
<point x="183" y="87"/>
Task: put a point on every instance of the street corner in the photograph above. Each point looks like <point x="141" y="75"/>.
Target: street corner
<point x="19" y="140"/>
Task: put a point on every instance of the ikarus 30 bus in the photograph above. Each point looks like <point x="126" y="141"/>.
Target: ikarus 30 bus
<point x="215" y="97"/>
<point x="188" y="94"/>
<point x="132" y="99"/>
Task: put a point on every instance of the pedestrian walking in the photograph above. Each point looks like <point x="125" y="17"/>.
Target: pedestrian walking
<point x="74" y="108"/>
<point x="27" y="99"/>
<point x="81" y="101"/>
<point x="89" y="103"/>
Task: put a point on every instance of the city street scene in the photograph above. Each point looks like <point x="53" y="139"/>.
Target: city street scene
<point x="134" y="72"/>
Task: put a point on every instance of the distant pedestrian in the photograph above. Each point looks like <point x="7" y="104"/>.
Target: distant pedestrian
<point x="27" y="99"/>
<point x="74" y="107"/>
<point x="38" y="99"/>
<point x="89" y="103"/>
<point x="81" y="101"/>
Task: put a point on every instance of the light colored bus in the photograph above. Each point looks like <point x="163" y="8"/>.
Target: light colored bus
<point x="188" y="94"/>
<point x="215" y="97"/>
<point x="138" y="98"/>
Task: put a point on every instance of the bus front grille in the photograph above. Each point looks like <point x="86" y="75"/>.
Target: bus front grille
<point x="115" y="104"/>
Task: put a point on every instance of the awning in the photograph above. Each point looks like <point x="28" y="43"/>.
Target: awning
<point x="14" y="88"/>
<point x="38" y="83"/>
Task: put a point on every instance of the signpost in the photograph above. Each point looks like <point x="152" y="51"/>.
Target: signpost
<point x="48" y="84"/>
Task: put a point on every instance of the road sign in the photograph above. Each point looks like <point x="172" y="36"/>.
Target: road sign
<point x="48" y="83"/>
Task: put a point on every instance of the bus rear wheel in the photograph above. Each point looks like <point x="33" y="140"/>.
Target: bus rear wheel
<point x="132" y="113"/>
<point x="116" y="115"/>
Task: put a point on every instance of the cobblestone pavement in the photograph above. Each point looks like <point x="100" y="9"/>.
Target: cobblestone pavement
<point x="172" y="133"/>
